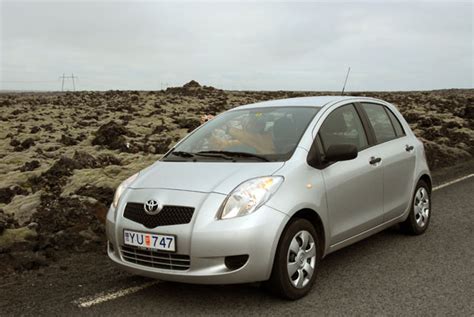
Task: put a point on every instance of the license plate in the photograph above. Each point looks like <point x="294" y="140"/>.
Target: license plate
<point x="150" y="240"/>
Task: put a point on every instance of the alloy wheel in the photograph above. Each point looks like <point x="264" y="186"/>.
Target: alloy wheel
<point x="301" y="259"/>
<point x="421" y="206"/>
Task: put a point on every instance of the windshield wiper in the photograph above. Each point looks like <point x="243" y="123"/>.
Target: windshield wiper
<point x="229" y="155"/>
<point x="182" y="154"/>
<point x="205" y="154"/>
<point x="234" y="154"/>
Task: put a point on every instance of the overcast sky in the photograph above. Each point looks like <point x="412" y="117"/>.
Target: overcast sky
<point x="249" y="46"/>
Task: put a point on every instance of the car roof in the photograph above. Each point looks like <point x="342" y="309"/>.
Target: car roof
<point x="315" y="101"/>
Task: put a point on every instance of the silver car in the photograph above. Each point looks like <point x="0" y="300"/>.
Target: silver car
<point x="263" y="192"/>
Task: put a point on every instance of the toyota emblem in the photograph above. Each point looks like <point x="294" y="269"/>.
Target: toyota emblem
<point x="152" y="207"/>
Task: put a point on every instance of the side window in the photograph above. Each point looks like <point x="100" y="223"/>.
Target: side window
<point x="343" y="126"/>
<point x="396" y="123"/>
<point x="380" y="122"/>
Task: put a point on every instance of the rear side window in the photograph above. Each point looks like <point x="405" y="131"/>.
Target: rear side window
<point x="396" y="123"/>
<point x="380" y="122"/>
<point x="343" y="126"/>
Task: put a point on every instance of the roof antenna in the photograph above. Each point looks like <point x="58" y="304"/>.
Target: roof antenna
<point x="345" y="81"/>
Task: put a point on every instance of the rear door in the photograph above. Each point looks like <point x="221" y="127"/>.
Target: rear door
<point x="398" y="158"/>
<point x="354" y="189"/>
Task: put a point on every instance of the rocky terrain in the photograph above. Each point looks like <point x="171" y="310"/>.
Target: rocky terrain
<point x="63" y="154"/>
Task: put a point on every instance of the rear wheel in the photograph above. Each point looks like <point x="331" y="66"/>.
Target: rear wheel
<point x="420" y="213"/>
<point x="296" y="261"/>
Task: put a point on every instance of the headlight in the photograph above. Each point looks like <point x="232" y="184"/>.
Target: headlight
<point x="249" y="196"/>
<point x="121" y="188"/>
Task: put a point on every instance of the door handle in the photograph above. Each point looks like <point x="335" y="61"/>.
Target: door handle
<point x="409" y="148"/>
<point x="374" y="160"/>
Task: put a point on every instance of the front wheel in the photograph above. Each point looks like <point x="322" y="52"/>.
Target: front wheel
<point x="296" y="261"/>
<point x="420" y="213"/>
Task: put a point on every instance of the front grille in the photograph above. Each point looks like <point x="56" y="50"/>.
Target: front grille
<point x="160" y="260"/>
<point x="169" y="215"/>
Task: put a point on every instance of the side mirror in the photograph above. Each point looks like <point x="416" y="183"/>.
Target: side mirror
<point x="341" y="152"/>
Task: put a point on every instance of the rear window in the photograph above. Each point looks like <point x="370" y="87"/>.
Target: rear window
<point x="380" y="122"/>
<point x="396" y="123"/>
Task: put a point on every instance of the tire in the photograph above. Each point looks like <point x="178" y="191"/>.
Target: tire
<point x="303" y="259"/>
<point x="420" y="213"/>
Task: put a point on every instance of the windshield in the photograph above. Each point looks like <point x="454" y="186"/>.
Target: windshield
<point x="257" y="134"/>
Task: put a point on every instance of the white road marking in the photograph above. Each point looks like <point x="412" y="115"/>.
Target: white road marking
<point x="99" y="298"/>
<point x="89" y="301"/>
<point x="453" y="182"/>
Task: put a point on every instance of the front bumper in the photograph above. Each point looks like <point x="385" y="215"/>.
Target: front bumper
<point x="206" y="240"/>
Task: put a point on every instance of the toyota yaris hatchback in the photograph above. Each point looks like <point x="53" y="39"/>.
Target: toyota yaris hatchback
<point x="264" y="191"/>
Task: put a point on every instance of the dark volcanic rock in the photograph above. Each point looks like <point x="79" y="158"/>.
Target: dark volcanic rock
<point x="217" y="106"/>
<point x="162" y="146"/>
<point x="106" y="159"/>
<point x="55" y="177"/>
<point x="194" y="89"/>
<point x="7" y="193"/>
<point x="6" y="221"/>
<point x="125" y="118"/>
<point x="15" y="142"/>
<point x="30" y="166"/>
<point x="67" y="140"/>
<point x="61" y="221"/>
<point x="35" y="129"/>
<point x="112" y="136"/>
<point x="469" y="112"/>
<point x="22" y="146"/>
<point x="102" y="194"/>
<point x="159" y="129"/>
<point x="192" y="84"/>
<point x="438" y="155"/>
<point x="6" y="103"/>
<point x="48" y="127"/>
<point x="26" y="144"/>
<point x="188" y="123"/>
<point x="20" y="128"/>
<point x="85" y="160"/>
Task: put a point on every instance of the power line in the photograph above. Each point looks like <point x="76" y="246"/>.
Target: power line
<point x="27" y="81"/>
<point x="63" y="77"/>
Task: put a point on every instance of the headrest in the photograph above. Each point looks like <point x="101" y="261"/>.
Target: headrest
<point x="284" y="128"/>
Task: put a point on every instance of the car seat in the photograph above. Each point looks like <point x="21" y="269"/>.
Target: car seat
<point x="284" y="135"/>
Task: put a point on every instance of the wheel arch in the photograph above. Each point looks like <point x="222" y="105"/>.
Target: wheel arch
<point x="313" y="217"/>
<point x="427" y="179"/>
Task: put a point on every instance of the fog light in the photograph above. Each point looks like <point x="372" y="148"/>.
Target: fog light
<point x="236" y="261"/>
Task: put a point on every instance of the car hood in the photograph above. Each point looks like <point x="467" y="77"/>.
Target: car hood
<point x="202" y="176"/>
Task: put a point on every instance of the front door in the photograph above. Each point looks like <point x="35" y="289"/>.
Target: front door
<point x="354" y="188"/>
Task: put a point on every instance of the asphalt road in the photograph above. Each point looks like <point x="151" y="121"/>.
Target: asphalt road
<point x="387" y="274"/>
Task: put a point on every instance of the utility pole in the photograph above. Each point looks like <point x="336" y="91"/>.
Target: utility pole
<point x="62" y="85"/>
<point x="63" y="77"/>
<point x="73" y="82"/>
